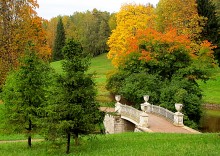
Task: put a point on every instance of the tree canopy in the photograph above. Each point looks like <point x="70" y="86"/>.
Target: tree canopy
<point x="19" y="26"/>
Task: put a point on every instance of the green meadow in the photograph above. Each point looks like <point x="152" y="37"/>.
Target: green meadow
<point x="126" y="144"/>
<point x="211" y="89"/>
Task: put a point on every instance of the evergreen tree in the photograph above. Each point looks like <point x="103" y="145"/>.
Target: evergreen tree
<point x="59" y="41"/>
<point x="72" y="109"/>
<point x="211" y="31"/>
<point x="24" y="94"/>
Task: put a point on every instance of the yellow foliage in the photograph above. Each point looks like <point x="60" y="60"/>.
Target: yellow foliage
<point x="130" y="18"/>
<point x="181" y="15"/>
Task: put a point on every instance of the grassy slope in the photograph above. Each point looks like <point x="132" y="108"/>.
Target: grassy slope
<point x="211" y="89"/>
<point x="126" y="144"/>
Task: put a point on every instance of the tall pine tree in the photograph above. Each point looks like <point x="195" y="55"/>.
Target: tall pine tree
<point x="72" y="109"/>
<point x="59" y="41"/>
<point x="211" y="30"/>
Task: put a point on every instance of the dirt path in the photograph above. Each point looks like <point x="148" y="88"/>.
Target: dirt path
<point x="14" y="141"/>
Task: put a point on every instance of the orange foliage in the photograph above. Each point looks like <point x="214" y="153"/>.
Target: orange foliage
<point x="23" y="27"/>
<point x="151" y="39"/>
<point x="152" y="36"/>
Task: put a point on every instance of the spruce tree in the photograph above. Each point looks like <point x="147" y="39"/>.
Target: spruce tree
<point x="73" y="109"/>
<point x="24" y="95"/>
<point x="211" y="30"/>
<point x="59" y="41"/>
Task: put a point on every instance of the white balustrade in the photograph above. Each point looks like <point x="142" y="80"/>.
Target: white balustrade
<point x="163" y="112"/>
<point x="134" y="115"/>
<point x="130" y="112"/>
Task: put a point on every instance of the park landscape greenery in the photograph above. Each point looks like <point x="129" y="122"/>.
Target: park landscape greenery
<point x="168" y="51"/>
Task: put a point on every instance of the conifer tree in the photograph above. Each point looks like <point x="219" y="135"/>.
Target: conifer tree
<point x="72" y="109"/>
<point x="211" y="30"/>
<point x="59" y="41"/>
<point x="24" y="95"/>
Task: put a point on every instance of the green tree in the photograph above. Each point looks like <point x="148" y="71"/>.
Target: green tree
<point x="211" y="30"/>
<point x="72" y="109"/>
<point x="24" y="94"/>
<point x="217" y="4"/>
<point x="59" y="41"/>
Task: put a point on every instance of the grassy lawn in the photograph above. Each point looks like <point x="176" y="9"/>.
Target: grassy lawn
<point x="211" y="89"/>
<point x="126" y="144"/>
<point x="214" y="113"/>
<point x="100" y="65"/>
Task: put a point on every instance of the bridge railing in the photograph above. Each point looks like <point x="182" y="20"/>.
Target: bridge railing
<point x="163" y="112"/>
<point x="131" y="113"/>
<point x="140" y="117"/>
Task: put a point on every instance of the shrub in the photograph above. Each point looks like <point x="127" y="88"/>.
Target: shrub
<point x="138" y="84"/>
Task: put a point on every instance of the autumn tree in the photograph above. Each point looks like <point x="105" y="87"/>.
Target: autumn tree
<point x="59" y="41"/>
<point x="211" y="30"/>
<point x="93" y="31"/>
<point x="50" y="28"/>
<point x="70" y="27"/>
<point x="130" y="18"/>
<point x="73" y="110"/>
<point x="181" y="15"/>
<point x="19" y="26"/>
<point x="169" y="65"/>
<point x="112" y="21"/>
<point x="24" y="94"/>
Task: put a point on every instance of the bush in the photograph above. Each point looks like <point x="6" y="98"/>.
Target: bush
<point x="138" y="84"/>
<point x="186" y="92"/>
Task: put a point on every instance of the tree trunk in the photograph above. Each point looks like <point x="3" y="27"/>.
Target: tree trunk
<point x="68" y="143"/>
<point x="29" y="133"/>
<point x="76" y="139"/>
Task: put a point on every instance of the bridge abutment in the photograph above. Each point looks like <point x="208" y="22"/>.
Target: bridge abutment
<point x="116" y="124"/>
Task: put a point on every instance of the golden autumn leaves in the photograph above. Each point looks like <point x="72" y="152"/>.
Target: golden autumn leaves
<point x="20" y="26"/>
<point x="175" y="24"/>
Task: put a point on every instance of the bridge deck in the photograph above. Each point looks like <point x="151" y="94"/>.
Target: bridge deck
<point x="159" y="124"/>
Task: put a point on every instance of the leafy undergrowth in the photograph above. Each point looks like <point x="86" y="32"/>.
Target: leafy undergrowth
<point x="126" y="144"/>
